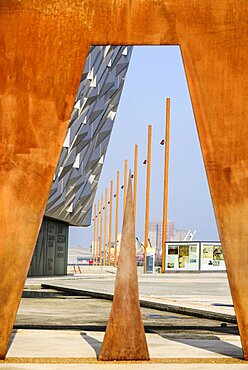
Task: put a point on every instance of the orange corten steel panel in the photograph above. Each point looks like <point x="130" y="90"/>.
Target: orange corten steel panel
<point x="125" y="335"/>
<point x="43" y="46"/>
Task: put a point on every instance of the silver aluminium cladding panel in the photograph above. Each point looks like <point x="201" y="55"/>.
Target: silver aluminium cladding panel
<point x="82" y="156"/>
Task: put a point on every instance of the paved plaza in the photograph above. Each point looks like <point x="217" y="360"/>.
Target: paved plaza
<point x="202" y="291"/>
<point x="61" y="330"/>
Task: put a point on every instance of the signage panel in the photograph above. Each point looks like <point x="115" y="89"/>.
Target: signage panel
<point x="50" y="248"/>
<point x="212" y="257"/>
<point x="182" y="256"/>
<point x="61" y="249"/>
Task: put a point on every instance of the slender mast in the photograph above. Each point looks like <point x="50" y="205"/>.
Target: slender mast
<point x="135" y="177"/>
<point x="105" y="226"/>
<point x="166" y="173"/>
<point x="148" y="186"/>
<point x="110" y="221"/>
<point x="116" y="215"/>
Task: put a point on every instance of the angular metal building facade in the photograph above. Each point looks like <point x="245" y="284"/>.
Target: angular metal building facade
<point x="82" y="156"/>
<point x="88" y="135"/>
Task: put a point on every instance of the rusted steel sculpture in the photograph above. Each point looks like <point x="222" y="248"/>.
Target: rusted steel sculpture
<point x="42" y="48"/>
<point x="125" y="336"/>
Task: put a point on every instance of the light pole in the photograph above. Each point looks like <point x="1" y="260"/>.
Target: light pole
<point x="148" y="186"/>
<point x="110" y="221"/>
<point x="166" y="172"/>
<point x="116" y="214"/>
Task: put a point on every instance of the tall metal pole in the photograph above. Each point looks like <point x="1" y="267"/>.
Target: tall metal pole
<point x="110" y="221"/>
<point x="95" y="236"/>
<point x="97" y="230"/>
<point x="166" y="172"/>
<point x="148" y="185"/>
<point x="125" y="184"/>
<point x="116" y="215"/>
<point x="100" y="220"/>
<point x="105" y="226"/>
<point x="135" y="176"/>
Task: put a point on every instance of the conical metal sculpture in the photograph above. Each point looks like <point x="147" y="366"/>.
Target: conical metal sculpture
<point x="125" y="336"/>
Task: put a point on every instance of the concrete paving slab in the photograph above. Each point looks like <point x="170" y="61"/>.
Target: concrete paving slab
<point x="203" y="306"/>
<point x="202" y="302"/>
<point x="79" y="344"/>
<point x="49" y="343"/>
<point x="197" y="291"/>
<point x="80" y="312"/>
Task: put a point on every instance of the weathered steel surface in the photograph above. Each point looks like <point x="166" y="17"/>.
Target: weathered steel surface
<point x="125" y="336"/>
<point x="42" y="47"/>
<point x="40" y="67"/>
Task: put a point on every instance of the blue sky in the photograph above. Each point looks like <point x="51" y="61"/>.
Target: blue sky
<point x="155" y="73"/>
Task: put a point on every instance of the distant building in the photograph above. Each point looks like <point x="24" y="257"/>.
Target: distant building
<point x="155" y="229"/>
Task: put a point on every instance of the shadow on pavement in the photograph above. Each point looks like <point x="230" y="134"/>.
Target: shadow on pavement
<point x="94" y="343"/>
<point x="210" y="343"/>
<point x="14" y="332"/>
